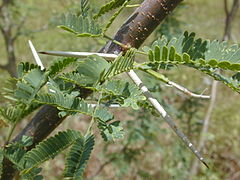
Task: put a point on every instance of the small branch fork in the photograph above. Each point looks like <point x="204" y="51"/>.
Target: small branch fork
<point x="186" y="91"/>
<point x="147" y="94"/>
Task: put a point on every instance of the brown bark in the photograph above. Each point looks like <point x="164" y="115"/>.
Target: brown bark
<point x="133" y="32"/>
<point x="11" y="65"/>
<point x="6" y="30"/>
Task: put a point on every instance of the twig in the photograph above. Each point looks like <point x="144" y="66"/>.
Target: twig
<point x="230" y="15"/>
<point x="202" y="139"/>
<point x="133" y="5"/>
<point x="165" y="115"/>
<point x="148" y="95"/>
<point x="109" y="106"/>
<point x="101" y="168"/>
<point x="47" y="119"/>
<point x="187" y="92"/>
<point x="164" y="79"/>
<point x="113" y="56"/>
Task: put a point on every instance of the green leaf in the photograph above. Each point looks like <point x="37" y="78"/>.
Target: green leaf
<point x="202" y="55"/>
<point x="236" y="76"/>
<point x="115" y="15"/>
<point x="103" y="115"/>
<point x="60" y="64"/>
<point x="26" y="141"/>
<point x="88" y="72"/>
<point x="125" y="93"/>
<point x="15" y="153"/>
<point x="123" y="63"/>
<point x="77" y="158"/>
<point x="110" y="6"/>
<point x="81" y="26"/>
<point x="29" y="85"/>
<point x="65" y="102"/>
<point x="23" y="68"/>
<point x="14" y="113"/>
<point x="49" y="148"/>
<point x="112" y="131"/>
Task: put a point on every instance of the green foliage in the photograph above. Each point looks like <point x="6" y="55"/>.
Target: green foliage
<point x="29" y="85"/>
<point x="15" y="113"/>
<point x="115" y="15"/>
<point x="111" y="131"/>
<point x="202" y="55"/>
<point x="68" y="103"/>
<point x="103" y="114"/>
<point x="110" y="6"/>
<point x="96" y="74"/>
<point x="84" y="7"/>
<point x="125" y="93"/>
<point x="49" y="148"/>
<point x="123" y="63"/>
<point x="28" y="162"/>
<point x="15" y="152"/>
<point x="77" y="157"/>
<point x="24" y="68"/>
<point x="59" y="65"/>
<point x="81" y="26"/>
<point x="186" y="50"/>
<point x="88" y="71"/>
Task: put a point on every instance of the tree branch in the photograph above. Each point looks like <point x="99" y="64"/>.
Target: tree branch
<point x="133" y="32"/>
<point x="168" y="119"/>
<point x="230" y="15"/>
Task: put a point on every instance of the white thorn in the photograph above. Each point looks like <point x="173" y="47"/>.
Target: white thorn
<point x="35" y="55"/>
<point x="79" y="54"/>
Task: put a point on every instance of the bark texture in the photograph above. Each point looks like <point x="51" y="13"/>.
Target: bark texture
<point x="132" y="33"/>
<point x="6" y="29"/>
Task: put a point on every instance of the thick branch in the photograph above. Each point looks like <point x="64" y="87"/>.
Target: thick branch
<point x="133" y="32"/>
<point x="141" y="24"/>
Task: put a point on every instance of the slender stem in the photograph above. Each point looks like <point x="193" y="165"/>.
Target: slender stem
<point x="116" y="42"/>
<point x="133" y="5"/>
<point x="165" y="115"/>
<point x="141" y="52"/>
<point x="164" y="79"/>
<point x="13" y="126"/>
<point x="89" y="130"/>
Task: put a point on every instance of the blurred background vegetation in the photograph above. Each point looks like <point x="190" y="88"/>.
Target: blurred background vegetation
<point x="149" y="150"/>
